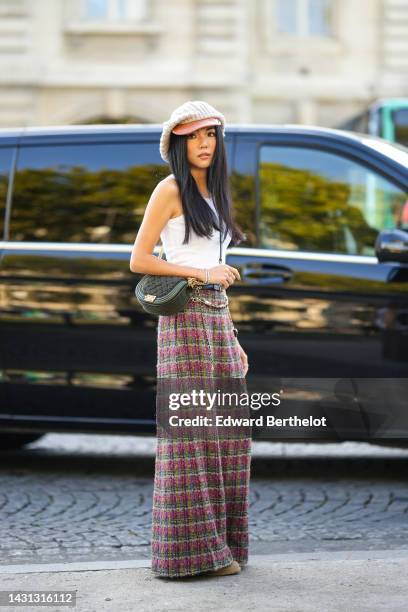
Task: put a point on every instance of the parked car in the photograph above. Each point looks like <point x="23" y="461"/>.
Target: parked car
<point x="322" y="319"/>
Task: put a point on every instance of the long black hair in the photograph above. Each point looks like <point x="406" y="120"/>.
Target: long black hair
<point x="197" y="213"/>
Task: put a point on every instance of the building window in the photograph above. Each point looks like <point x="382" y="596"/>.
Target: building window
<point x="114" y="10"/>
<point x="304" y="17"/>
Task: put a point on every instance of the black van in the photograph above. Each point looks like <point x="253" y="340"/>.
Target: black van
<point x="321" y="308"/>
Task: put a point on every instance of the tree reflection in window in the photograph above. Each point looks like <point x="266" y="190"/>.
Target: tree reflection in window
<point x="313" y="200"/>
<point x="84" y="193"/>
<point x="5" y="167"/>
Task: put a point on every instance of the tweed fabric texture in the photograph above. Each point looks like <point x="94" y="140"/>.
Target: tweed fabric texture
<point x="189" y="111"/>
<point x="201" y="482"/>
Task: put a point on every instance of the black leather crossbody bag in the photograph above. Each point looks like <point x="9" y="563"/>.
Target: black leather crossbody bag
<point x="165" y="295"/>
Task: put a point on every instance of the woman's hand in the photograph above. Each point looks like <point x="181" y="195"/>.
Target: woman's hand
<point x="224" y="275"/>
<point x="244" y="358"/>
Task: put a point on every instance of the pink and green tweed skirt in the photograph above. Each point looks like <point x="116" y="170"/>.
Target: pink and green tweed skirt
<point x="202" y="474"/>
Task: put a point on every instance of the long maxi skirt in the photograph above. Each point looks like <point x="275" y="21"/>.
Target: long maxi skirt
<point x="202" y="473"/>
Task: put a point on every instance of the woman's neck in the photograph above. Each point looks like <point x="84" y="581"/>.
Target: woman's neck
<point x="200" y="177"/>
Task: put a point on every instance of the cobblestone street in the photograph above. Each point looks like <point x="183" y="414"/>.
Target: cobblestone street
<point x="84" y="497"/>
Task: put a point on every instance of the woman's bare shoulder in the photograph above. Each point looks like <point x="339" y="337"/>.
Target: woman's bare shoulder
<point x="167" y="194"/>
<point x="168" y="186"/>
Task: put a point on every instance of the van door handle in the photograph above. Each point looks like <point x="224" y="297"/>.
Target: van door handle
<point x="265" y="273"/>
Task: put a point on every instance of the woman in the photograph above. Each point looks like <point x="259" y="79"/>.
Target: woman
<point x="200" y="498"/>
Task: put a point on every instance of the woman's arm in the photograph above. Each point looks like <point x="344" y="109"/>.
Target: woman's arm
<point x="159" y="209"/>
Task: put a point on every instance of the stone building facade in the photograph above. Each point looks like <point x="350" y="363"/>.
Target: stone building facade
<point x="265" y="61"/>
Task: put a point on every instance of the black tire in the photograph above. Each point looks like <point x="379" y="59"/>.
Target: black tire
<point x="9" y="441"/>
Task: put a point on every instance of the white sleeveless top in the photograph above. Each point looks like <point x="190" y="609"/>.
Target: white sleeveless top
<point x="200" y="251"/>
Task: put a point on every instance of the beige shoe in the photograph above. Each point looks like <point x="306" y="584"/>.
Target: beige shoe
<point x="234" y="568"/>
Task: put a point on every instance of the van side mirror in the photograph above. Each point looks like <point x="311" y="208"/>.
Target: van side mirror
<point x="392" y="245"/>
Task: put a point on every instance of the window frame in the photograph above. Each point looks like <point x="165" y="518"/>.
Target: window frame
<point x="341" y="149"/>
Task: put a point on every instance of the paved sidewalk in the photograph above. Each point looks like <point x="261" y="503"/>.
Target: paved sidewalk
<point x="349" y="581"/>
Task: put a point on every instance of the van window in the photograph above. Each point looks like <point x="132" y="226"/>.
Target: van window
<point x="6" y="154"/>
<point x="84" y="192"/>
<point x="313" y="200"/>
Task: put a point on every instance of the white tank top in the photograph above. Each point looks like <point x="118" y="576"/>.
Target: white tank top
<point x="200" y="251"/>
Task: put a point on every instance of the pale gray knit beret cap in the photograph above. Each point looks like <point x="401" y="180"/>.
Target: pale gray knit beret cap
<point x="192" y="110"/>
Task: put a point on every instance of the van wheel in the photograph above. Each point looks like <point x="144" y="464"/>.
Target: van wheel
<point x="14" y="440"/>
